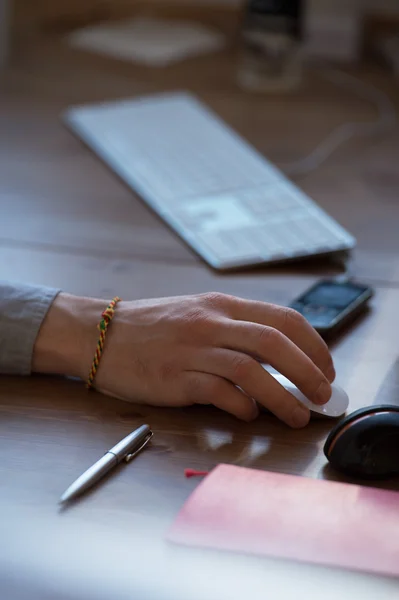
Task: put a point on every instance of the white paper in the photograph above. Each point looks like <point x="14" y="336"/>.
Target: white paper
<point x="153" y="42"/>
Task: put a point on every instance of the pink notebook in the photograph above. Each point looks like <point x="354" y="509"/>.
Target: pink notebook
<point x="285" y="516"/>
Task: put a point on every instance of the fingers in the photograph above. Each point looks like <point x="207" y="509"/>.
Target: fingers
<point x="249" y="375"/>
<point x="292" y="324"/>
<point x="203" y="388"/>
<point x="274" y="348"/>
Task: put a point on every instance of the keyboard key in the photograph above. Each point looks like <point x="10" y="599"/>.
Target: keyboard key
<point x="228" y="247"/>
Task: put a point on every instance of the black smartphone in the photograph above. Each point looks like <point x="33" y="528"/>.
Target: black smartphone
<point x="329" y="304"/>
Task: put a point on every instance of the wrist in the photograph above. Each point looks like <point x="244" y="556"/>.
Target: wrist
<point x="67" y="338"/>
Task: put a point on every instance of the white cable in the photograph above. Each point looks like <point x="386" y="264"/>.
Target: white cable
<point x="344" y="263"/>
<point x="386" y="120"/>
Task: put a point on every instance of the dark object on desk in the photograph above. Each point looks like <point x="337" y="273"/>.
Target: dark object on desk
<point x="331" y="304"/>
<point x="270" y="57"/>
<point x="366" y="443"/>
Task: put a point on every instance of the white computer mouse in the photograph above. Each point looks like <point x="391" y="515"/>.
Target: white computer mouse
<point x="335" y="407"/>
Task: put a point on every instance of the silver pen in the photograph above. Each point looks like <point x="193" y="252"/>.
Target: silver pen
<point x="126" y="449"/>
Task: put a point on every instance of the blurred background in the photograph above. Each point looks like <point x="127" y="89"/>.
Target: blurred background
<point x="337" y="29"/>
<point x="340" y="29"/>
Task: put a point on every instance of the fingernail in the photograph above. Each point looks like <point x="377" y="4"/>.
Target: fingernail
<point x="300" y="417"/>
<point x="330" y="374"/>
<point x="323" y="393"/>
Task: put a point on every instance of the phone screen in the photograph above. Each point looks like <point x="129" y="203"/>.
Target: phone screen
<point x="323" y="304"/>
<point x="333" y="295"/>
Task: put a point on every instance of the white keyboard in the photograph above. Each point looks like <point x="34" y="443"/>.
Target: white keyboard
<point x="229" y="203"/>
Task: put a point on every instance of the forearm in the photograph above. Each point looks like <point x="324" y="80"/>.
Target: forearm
<point x="67" y="337"/>
<point x="43" y="330"/>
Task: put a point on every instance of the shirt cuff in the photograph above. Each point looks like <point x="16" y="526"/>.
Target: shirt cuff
<point x="22" y="311"/>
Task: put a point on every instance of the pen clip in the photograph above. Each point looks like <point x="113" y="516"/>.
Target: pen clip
<point x="129" y="457"/>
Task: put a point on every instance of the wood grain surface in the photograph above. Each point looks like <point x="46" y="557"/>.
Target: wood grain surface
<point x="67" y="221"/>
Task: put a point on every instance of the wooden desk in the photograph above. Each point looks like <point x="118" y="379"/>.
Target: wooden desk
<point x="67" y="221"/>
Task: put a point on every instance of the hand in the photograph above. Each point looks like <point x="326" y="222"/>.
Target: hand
<point x="203" y="349"/>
